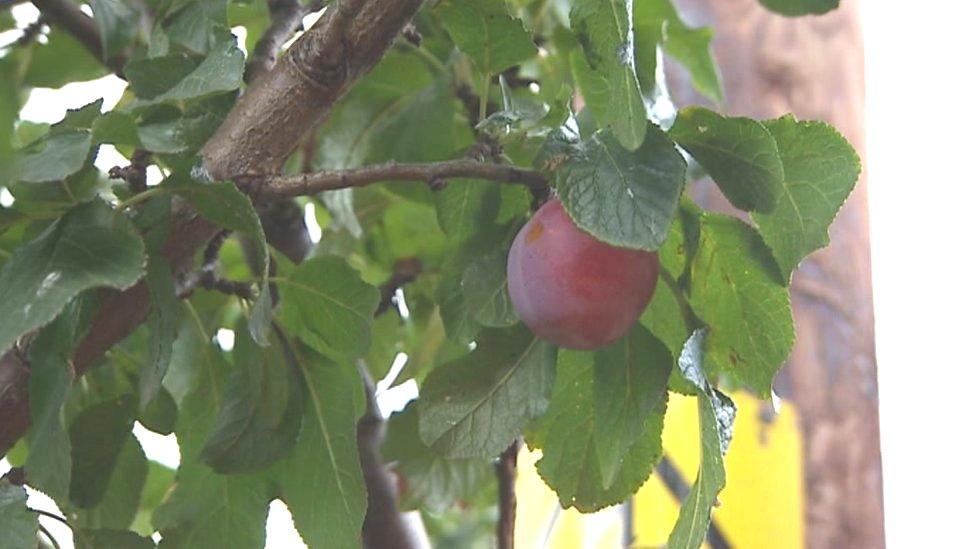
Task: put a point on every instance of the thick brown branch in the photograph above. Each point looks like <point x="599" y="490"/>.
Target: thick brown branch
<point x="66" y="15"/>
<point x="286" y="18"/>
<point x="505" y="469"/>
<point x="313" y="183"/>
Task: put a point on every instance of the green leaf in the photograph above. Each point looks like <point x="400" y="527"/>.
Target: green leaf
<point x="736" y="292"/>
<point x="117" y="128"/>
<point x="159" y="480"/>
<point x="49" y="69"/>
<point x="167" y="78"/>
<point x="197" y="24"/>
<point x="624" y="198"/>
<point x="117" y="23"/>
<point x="630" y="378"/>
<point x="261" y="411"/>
<point x="322" y="477"/>
<point x="183" y="135"/>
<point x="97" y="435"/>
<point x="570" y="464"/>
<point x="678" y="250"/>
<point x="800" y="7"/>
<point x="19" y="526"/>
<point x="64" y="154"/>
<point x="118" y="507"/>
<point x="49" y="461"/>
<point x="475" y="406"/>
<point x="160" y="414"/>
<point x="657" y="21"/>
<point x="206" y="509"/>
<point x="485" y="31"/>
<point x="164" y="318"/>
<point x="467" y="207"/>
<point x="821" y="170"/>
<point x="90" y="246"/>
<point x="716" y="413"/>
<point x="432" y="481"/>
<point x="739" y="153"/>
<point x="116" y="539"/>
<point x="485" y="287"/>
<point x="606" y="73"/>
<point x="325" y="304"/>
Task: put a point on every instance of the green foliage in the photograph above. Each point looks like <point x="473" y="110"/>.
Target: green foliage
<point x="276" y="416"/>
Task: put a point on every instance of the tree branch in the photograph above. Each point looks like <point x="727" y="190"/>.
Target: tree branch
<point x="66" y="15"/>
<point x="312" y="183"/>
<point x="505" y="469"/>
<point x="286" y="18"/>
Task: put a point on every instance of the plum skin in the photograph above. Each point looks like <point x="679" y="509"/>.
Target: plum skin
<point x="573" y="290"/>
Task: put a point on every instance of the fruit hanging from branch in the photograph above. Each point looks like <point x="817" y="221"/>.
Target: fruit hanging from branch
<point x="573" y="290"/>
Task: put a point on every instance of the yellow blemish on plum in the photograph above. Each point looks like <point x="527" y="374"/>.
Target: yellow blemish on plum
<point x="535" y="231"/>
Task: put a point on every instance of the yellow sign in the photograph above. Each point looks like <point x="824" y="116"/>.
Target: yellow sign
<point x="761" y="506"/>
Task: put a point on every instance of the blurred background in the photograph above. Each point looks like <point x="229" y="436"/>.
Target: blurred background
<point x="809" y="475"/>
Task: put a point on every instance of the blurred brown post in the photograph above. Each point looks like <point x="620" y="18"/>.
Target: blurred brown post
<point x="814" y="67"/>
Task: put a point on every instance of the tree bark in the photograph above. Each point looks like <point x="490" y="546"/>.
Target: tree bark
<point x="813" y="66"/>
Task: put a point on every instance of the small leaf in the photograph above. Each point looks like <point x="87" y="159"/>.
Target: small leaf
<point x="160" y="414"/>
<point x="475" y="406"/>
<point x="624" y="198"/>
<point x="98" y="434"/>
<point x="716" y="413"/>
<point x="19" y="526"/>
<point x="736" y="292"/>
<point x="433" y="482"/>
<point x="606" y="72"/>
<point x="86" y="538"/>
<point x="322" y="477"/>
<point x="262" y="314"/>
<point x="657" y="22"/>
<point x="570" y="464"/>
<point x="467" y="207"/>
<point x="739" y="153"/>
<point x="64" y="154"/>
<point x="221" y="70"/>
<point x="121" y="501"/>
<point x="261" y="411"/>
<point x="116" y="21"/>
<point x="89" y="247"/>
<point x="324" y="303"/>
<point x="164" y="317"/>
<point x="796" y="8"/>
<point x="821" y="170"/>
<point x="485" y="287"/>
<point x="630" y="379"/>
<point x="485" y="31"/>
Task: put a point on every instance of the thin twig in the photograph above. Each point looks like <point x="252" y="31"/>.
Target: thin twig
<point x="405" y="271"/>
<point x="272" y="187"/>
<point x="31" y="32"/>
<point x="505" y="469"/>
<point x="48" y="514"/>
<point x="49" y="536"/>
<point x="135" y="173"/>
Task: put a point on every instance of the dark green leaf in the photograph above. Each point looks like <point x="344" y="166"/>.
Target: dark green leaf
<point x="485" y="31"/>
<point x="117" y="128"/>
<point x="160" y="415"/>
<point x="327" y="306"/>
<point x="736" y="292"/>
<point x="606" y="72"/>
<point x="821" y="170"/>
<point x="485" y="287"/>
<point x="114" y="539"/>
<point x="150" y="77"/>
<point x="19" y="526"/>
<point x="48" y="68"/>
<point x="432" y="481"/>
<point x="121" y="501"/>
<point x="197" y="24"/>
<point x="164" y="318"/>
<point x="475" y="406"/>
<point x="657" y="22"/>
<point x="800" y="7"/>
<point x="567" y="435"/>
<point x="97" y="436"/>
<point x="630" y="379"/>
<point x="221" y="70"/>
<point x="624" y="198"/>
<point x="466" y="207"/>
<point x="716" y="413"/>
<point x="322" y="477"/>
<point x="185" y="134"/>
<point x="90" y="246"/>
<point x="261" y="411"/>
<point x="118" y="23"/>
<point x="63" y="154"/>
<point x="739" y="153"/>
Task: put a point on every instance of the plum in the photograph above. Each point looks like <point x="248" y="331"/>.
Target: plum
<point x="573" y="290"/>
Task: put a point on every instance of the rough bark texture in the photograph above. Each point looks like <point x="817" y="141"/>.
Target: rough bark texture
<point x="283" y="104"/>
<point x="813" y="66"/>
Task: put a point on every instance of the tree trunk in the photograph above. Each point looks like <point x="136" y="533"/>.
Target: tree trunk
<point x="813" y="66"/>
